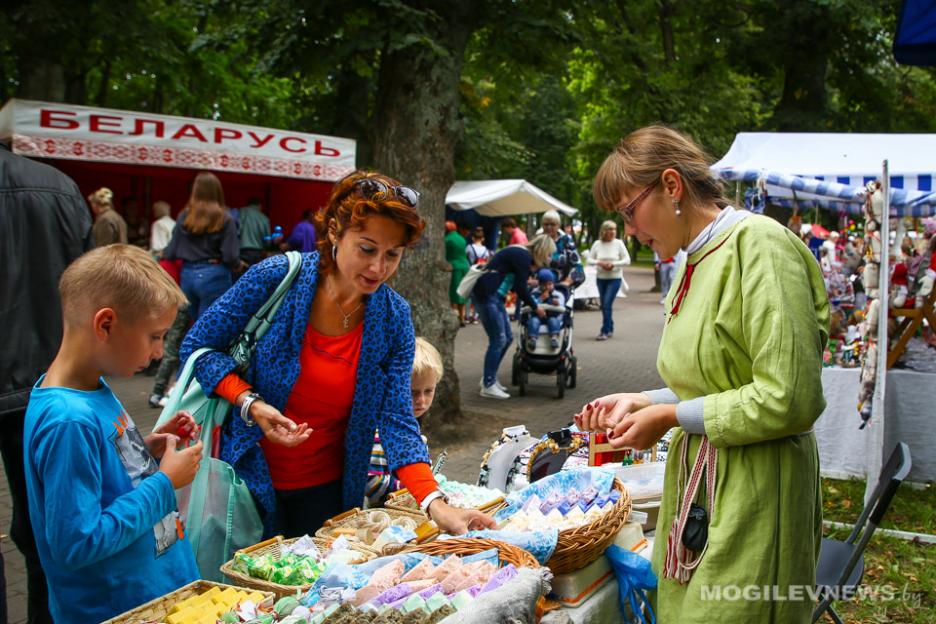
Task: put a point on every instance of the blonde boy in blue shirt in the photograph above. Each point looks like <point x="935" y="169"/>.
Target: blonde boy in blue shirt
<point x="101" y="496"/>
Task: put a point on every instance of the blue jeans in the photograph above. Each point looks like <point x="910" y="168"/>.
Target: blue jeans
<point x="202" y="283"/>
<point x="496" y="325"/>
<point x="667" y="273"/>
<point x="554" y="323"/>
<point x="607" y="291"/>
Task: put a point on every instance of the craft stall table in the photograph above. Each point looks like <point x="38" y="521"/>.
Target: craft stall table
<point x="909" y="416"/>
<point x="602" y="607"/>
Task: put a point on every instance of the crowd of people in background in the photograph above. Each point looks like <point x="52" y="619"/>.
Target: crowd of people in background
<point x="205" y="250"/>
<point x="547" y="268"/>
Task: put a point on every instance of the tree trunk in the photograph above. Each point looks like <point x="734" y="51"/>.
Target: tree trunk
<point x="417" y="127"/>
<point x="804" y="102"/>
<point x="666" y="13"/>
<point x="43" y="80"/>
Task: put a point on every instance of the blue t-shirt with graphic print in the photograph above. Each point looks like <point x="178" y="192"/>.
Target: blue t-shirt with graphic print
<point x="105" y="518"/>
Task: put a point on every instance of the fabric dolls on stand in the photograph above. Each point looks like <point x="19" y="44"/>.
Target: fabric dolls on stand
<point x="874" y="212"/>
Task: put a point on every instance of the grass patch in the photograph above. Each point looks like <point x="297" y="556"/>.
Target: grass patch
<point x="911" y="510"/>
<point x="908" y="569"/>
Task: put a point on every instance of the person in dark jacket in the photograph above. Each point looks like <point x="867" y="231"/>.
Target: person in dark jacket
<point x="205" y="239"/>
<point x="516" y="261"/>
<point x="46" y="226"/>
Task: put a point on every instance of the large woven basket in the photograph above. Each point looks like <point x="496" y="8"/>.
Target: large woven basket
<point x="402" y="500"/>
<point x="464" y="546"/>
<point x="582" y="545"/>
<point x="425" y="531"/>
<point x="274" y="547"/>
<point x="158" y="609"/>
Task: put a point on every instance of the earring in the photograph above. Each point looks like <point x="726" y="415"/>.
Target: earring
<point x="334" y="254"/>
<point x="676" y="206"/>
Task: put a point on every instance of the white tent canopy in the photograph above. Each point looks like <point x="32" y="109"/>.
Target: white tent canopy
<point x="501" y="198"/>
<point x="850" y="159"/>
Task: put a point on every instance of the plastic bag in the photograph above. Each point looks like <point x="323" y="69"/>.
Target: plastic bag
<point x="634" y="575"/>
<point x="220" y="514"/>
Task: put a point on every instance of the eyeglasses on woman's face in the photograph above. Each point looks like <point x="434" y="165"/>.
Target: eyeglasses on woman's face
<point x="627" y="212"/>
<point x="370" y="188"/>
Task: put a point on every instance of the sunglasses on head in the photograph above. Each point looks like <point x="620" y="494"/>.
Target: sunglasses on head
<point x="371" y="188"/>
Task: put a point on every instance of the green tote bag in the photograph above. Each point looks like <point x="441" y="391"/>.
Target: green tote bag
<point x="219" y="512"/>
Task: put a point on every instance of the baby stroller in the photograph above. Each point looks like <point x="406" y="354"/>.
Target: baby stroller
<point x="545" y="359"/>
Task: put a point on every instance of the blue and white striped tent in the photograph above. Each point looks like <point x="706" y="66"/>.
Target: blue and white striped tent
<point x="831" y="170"/>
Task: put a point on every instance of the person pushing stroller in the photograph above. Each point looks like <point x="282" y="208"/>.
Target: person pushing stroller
<point x="545" y="292"/>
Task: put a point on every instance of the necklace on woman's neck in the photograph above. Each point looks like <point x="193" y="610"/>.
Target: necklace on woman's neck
<point x="346" y="318"/>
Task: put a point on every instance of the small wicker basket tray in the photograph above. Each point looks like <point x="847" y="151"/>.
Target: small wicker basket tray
<point x="425" y="530"/>
<point x="156" y="610"/>
<point x="274" y="546"/>
<point x="582" y="545"/>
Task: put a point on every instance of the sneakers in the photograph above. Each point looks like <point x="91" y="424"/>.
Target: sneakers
<point x="554" y="342"/>
<point x="601" y="337"/>
<point x="157" y="401"/>
<point x="493" y="392"/>
<point x="531" y="344"/>
<point x="499" y="385"/>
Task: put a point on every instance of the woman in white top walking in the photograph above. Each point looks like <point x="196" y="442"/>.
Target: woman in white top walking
<point x="610" y="255"/>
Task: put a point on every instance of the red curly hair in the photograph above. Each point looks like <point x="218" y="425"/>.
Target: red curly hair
<point x="350" y="209"/>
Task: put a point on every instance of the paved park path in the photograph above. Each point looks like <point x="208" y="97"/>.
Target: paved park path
<point x="627" y="362"/>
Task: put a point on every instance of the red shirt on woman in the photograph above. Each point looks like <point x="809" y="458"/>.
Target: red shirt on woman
<point x="322" y="396"/>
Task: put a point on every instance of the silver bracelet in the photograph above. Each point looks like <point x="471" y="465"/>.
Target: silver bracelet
<point x="430" y="498"/>
<point x="245" y="408"/>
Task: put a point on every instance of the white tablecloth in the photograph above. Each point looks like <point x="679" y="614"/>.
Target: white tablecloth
<point x="602" y="607"/>
<point x="910" y="416"/>
<point x="589" y="288"/>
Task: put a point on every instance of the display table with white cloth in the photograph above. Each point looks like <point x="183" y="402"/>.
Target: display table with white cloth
<point x="589" y="288"/>
<point x="602" y="607"/>
<point x="909" y="416"/>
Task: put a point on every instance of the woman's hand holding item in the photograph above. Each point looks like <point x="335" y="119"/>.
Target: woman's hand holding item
<point x="643" y="428"/>
<point x="605" y="412"/>
<point x="455" y="521"/>
<point x="276" y="427"/>
<point x="540" y="312"/>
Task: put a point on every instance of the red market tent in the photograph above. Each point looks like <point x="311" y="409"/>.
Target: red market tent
<point x="148" y="157"/>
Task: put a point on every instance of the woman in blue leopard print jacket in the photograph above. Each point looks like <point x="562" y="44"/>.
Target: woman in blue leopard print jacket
<point x="333" y="368"/>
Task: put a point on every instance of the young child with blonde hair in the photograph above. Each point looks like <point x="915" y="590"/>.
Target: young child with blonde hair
<point x="101" y="496"/>
<point x="427" y="373"/>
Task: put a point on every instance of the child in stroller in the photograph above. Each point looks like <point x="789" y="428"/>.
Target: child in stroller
<point x="546" y="293"/>
<point x="549" y="352"/>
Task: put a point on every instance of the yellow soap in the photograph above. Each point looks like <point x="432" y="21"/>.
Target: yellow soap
<point x="256" y="598"/>
<point x="181" y="617"/>
<point x="211" y="592"/>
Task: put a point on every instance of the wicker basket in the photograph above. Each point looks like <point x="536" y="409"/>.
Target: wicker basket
<point x="464" y="546"/>
<point x="582" y="545"/>
<point x="274" y="546"/>
<point x="425" y="530"/>
<point x="157" y="610"/>
<point x="402" y="500"/>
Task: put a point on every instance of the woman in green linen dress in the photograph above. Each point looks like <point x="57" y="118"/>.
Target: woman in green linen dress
<point x="456" y="256"/>
<point x="741" y="357"/>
